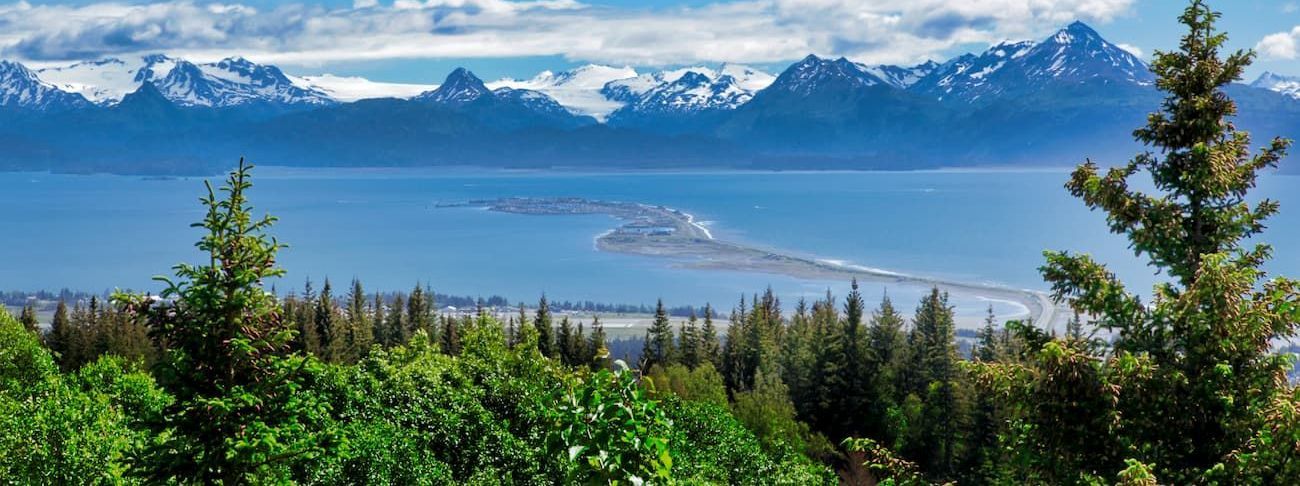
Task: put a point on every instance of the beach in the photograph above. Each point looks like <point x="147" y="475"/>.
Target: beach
<point x="669" y="233"/>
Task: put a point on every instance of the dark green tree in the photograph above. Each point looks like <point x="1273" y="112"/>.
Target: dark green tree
<point x="238" y="414"/>
<point x="564" y="341"/>
<point x="1198" y="359"/>
<point x="544" y="327"/>
<point x="710" y="349"/>
<point x="60" y="332"/>
<point x="383" y="335"/>
<point x="28" y="319"/>
<point x="659" y="346"/>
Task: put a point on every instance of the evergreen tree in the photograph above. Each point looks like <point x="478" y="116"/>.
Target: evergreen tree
<point x="60" y="332"/>
<point x="398" y="325"/>
<point x="382" y="334"/>
<point x="564" y="341"/>
<point x="237" y="409"/>
<point x="688" y="342"/>
<point x="659" y="340"/>
<point x="419" y="313"/>
<point x="942" y="409"/>
<point x="28" y="319"/>
<point x="858" y="371"/>
<point x="986" y="344"/>
<point x="1198" y="360"/>
<point x="884" y="340"/>
<point x="450" y="336"/>
<point x="360" y="332"/>
<point x="597" y="347"/>
<point x="328" y="329"/>
<point x="710" y="350"/>
<point x="542" y="324"/>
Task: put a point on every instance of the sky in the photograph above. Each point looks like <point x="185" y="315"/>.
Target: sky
<point x="420" y="41"/>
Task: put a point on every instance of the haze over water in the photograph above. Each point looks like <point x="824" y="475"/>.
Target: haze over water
<point x="99" y="232"/>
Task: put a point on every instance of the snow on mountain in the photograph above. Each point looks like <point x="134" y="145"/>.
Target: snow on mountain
<point x="813" y="74"/>
<point x="1079" y="53"/>
<point x="1076" y="54"/>
<point x="230" y="82"/>
<point x="461" y="87"/>
<point x="352" y="88"/>
<point x="578" y="89"/>
<point x="535" y="101"/>
<point x="22" y="88"/>
<point x="968" y="72"/>
<point x="106" y="81"/>
<point x="1287" y="85"/>
<point x="902" y="77"/>
<point x="689" y="90"/>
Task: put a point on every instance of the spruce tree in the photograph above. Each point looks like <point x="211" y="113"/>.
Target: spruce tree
<point x="710" y="349"/>
<point x="659" y="340"/>
<point x="360" y="331"/>
<point x="1193" y="373"/>
<point x="450" y="336"/>
<point x="237" y="413"/>
<point x="688" y="342"/>
<point x="884" y="341"/>
<point x="419" y="314"/>
<point x="380" y="330"/>
<point x="597" y="347"/>
<point x="857" y="370"/>
<point x="542" y="324"/>
<point x="942" y="412"/>
<point x="564" y="341"/>
<point x="60" y="332"/>
<point x="398" y="326"/>
<point x="328" y="328"/>
<point x="28" y="319"/>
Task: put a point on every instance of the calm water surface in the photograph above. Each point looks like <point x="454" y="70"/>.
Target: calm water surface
<point x="101" y="232"/>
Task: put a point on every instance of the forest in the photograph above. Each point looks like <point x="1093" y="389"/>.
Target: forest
<point x="219" y="380"/>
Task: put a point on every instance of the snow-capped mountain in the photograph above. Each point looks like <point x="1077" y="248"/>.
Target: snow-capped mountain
<point x="689" y="89"/>
<point x="505" y="107"/>
<point x="969" y="73"/>
<point x="22" y="88"/>
<point x="578" y="89"/>
<point x="1074" y="55"/>
<point x="353" y="88"/>
<point x="231" y="82"/>
<point x="1287" y="85"/>
<point x="696" y="91"/>
<point x="903" y="77"/>
<point x="814" y="74"/>
<point x="461" y="87"/>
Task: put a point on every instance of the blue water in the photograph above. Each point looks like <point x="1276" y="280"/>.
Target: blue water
<point x="101" y="232"/>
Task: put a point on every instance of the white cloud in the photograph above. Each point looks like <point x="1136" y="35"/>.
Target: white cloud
<point x="752" y="31"/>
<point x="1132" y="49"/>
<point x="1281" y="45"/>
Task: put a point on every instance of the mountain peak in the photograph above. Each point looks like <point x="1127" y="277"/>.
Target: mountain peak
<point x="1287" y="85"/>
<point x="21" y="87"/>
<point x="1075" y="32"/>
<point x="813" y="73"/>
<point x="460" y="87"/>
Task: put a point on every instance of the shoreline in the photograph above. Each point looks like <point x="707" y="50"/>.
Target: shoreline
<point x="664" y="232"/>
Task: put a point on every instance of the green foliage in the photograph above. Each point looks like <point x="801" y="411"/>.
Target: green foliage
<point x="1190" y="391"/>
<point x="241" y="410"/>
<point x="612" y="432"/>
<point x="68" y="429"/>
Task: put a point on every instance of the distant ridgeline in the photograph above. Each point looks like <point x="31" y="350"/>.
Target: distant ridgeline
<point x="1016" y="104"/>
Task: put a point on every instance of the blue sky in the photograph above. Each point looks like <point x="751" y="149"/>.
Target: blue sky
<point x="421" y="40"/>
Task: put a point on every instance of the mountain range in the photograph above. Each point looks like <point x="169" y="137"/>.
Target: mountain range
<point x="1044" y="103"/>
